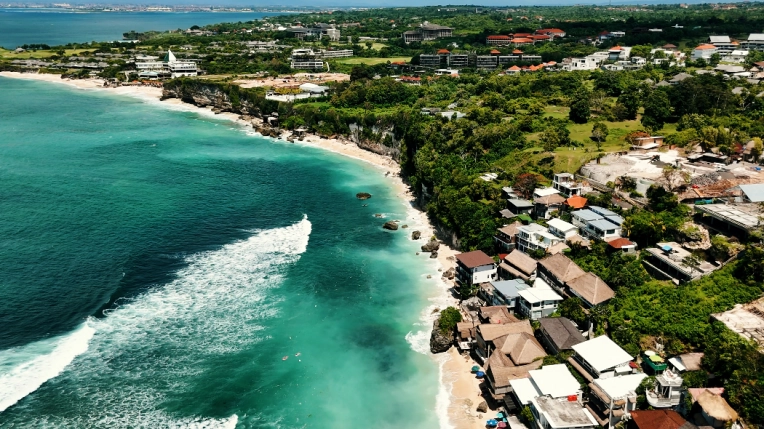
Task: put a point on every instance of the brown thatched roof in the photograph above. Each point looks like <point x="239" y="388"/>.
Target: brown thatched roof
<point x="591" y="288"/>
<point x="474" y="259"/>
<point x="550" y="200"/>
<point x="490" y="332"/>
<point x="562" y="332"/>
<point x="521" y="261"/>
<point x="716" y="407"/>
<point x="561" y="267"/>
<point x="522" y="348"/>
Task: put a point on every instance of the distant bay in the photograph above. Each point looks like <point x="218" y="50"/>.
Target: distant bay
<point x="59" y="27"/>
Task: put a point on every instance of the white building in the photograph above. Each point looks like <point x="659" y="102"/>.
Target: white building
<point x="736" y="56"/>
<point x="551" y="413"/>
<point x="553" y="381"/>
<point x="704" y="51"/>
<point x="534" y="236"/>
<point x="612" y="399"/>
<point x="755" y="42"/>
<point x="539" y="301"/>
<point x="179" y="68"/>
<point x="600" y="358"/>
<point x="562" y="229"/>
<point x="587" y="63"/>
<point x="566" y="184"/>
<point x="305" y="59"/>
<point x="723" y="44"/>
<point x="473" y="268"/>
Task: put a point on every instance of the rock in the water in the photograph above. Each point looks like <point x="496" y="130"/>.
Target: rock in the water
<point x="405" y="226"/>
<point x="417" y="253"/>
<point x="429" y="276"/>
<point x="431" y="246"/>
<point x="416" y="235"/>
<point x="377" y="214"/>
<point x="450" y="274"/>
<point x="391" y="225"/>
<point x="482" y="407"/>
<point x="439" y="342"/>
<point x="433" y="254"/>
<point x="363" y="195"/>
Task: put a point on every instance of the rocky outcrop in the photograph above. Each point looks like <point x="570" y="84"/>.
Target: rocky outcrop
<point x="391" y="225"/>
<point x="433" y="254"/>
<point x="415" y="235"/>
<point x="439" y="342"/>
<point x="431" y="246"/>
<point x="363" y="195"/>
<point x="450" y="274"/>
<point x="482" y="407"/>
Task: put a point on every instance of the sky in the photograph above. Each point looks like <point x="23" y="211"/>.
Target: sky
<point x="386" y="3"/>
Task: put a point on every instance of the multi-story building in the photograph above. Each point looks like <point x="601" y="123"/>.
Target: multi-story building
<point x="612" y="399"/>
<point x="498" y="40"/>
<point x="704" y="51"/>
<point x="486" y="61"/>
<point x="473" y="268"/>
<point x="539" y="301"/>
<point x="336" y="53"/>
<point x="566" y="184"/>
<point x="723" y="44"/>
<point x="306" y="59"/>
<point x="534" y="236"/>
<point x="600" y="358"/>
<point x="427" y="32"/>
<point x="755" y="42"/>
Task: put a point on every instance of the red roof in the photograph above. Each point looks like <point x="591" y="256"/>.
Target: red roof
<point x="517" y="52"/>
<point x="522" y="40"/>
<point x="522" y="34"/>
<point x="657" y="419"/>
<point x="620" y="243"/>
<point x="576" y="201"/>
<point x="498" y="37"/>
<point x="443" y="51"/>
<point x="704" y="47"/>
<point x="411" y="78"/>
<point x="549" y="30"/>
<point x="398" y="63"/>
<point x="540" y="37"/>
<point x="474" y="259"/>
<point x="514" y="68"/>
<point x="495" y="52"/>
<point x="554" y="63"/>
<point x="615" y="48"/>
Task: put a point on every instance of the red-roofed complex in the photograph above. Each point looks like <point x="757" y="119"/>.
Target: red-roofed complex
<point x="553" y="32"/>
<point x="520" y="41"/>
<point x="498" y="40"/>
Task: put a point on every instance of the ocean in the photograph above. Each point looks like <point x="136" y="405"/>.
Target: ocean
<point x="162" y="269"/>
<point x="59" y="26"/>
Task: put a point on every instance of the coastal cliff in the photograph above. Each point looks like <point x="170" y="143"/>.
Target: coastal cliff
<point x="251" y="104"/>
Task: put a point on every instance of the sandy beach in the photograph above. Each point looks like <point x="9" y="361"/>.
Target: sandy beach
<point x="458" y="386"/>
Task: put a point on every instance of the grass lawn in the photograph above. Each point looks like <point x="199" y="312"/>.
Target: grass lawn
<point x="11" y="55"/>
<point x="372" y="61"/>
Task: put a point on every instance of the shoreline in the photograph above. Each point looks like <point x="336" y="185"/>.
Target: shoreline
<point x="458" y="388"/>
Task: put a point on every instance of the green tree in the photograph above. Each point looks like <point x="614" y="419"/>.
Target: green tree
<point x="449" y="317"/>
<point x="714" y="60"/>
<point x="580" y="108"/>
<point x="599" y="134"/>
<point x="554" y="137"/>
<point x="657" y="111"/>
<point x="629" y="103"/>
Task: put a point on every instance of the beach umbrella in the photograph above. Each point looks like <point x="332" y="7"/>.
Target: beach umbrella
<point x="499" y="415"/>
<point x="480" y="374"/>
<point x="492" y="423"/>
<point x="475" y="368"/>
<point x="502" y="425"/>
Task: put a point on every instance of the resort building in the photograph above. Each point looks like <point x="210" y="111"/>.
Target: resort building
<point x="712" y="408"/>
<point x="305" y="59"/>
<point x="538" y="301"/>
<point x="704" y="51"/>
<point x="723" y="44"/>
<point x="562" y="229"/>
<point x="504" y="293"/>
<point x="658" y="419"/>
<point x="566" y="184"/>
<point x="170" y="67"/>
<point x="667" y="392"/>
<point x="487" y="333"/>
<point x="534" y="236"/>
<point x="600" y="358"/>
<point x="554" y="381"/>
<point x="473" y="268"/>
<point x="506" y="237"/>
<point x="591" y="289"/>
<point x="548" y="204"/>
<point x="611" y="400"/>
<point x="558" y="334"/>
<point x="518" y="265"/>
<point x="549" y="413"/>
<point x="557" y="270"/>
<point x="426" y="32"/>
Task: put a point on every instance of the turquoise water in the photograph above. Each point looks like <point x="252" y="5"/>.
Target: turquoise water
<point x="158" y="265"/>
<point x="59" y="27"/>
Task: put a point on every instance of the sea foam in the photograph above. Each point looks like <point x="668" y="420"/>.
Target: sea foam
<point x="148" y="349"/>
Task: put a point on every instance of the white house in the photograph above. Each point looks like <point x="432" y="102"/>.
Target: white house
<point x="603" y="230"/>
<point x="587" y="63"/>
<point x="704" y="51"/>
<point x="600" y="358"/>
<point x="561" y="228"/>
<point x="538" y="301"/>
<point x="549" y="413"/>
<point x="736" y="56"/>
<point x="534" y="236"/>
<point x="553" y="381"/>
<point x="474" y="268"/>
<point x="612" y="399"/>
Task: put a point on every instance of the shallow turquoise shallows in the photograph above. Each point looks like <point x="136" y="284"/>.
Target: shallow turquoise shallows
<point x="157" y="267"/>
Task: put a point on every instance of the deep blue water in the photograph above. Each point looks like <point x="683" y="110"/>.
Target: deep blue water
<point x="156" y="266"/>
<point x="59" y="27"/>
